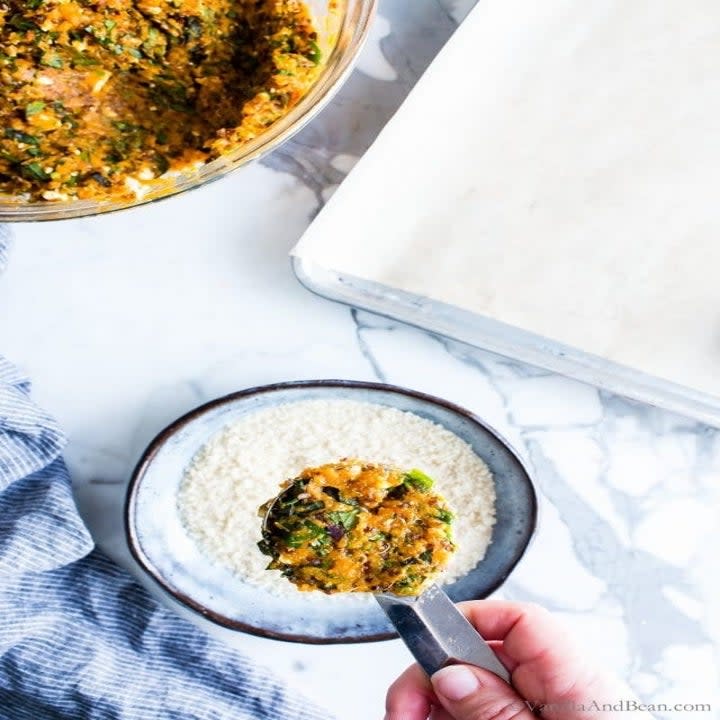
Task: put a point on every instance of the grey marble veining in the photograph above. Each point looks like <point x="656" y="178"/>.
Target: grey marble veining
<point x="127" y="321"/>
<point x="640" y="585"/>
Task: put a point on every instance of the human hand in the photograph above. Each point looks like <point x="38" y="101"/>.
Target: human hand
<point x="548" y="674"/>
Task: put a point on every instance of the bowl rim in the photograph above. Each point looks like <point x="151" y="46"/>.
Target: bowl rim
<point x="157" y="443"/>
<point x="336" y="70"/>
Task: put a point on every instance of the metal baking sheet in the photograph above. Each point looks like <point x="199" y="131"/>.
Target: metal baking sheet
<point x="506" y="340"/>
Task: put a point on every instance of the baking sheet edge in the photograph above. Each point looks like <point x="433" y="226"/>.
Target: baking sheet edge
<point x="503" y="339"/>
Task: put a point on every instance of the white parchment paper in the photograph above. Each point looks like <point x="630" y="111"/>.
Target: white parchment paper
<point x="558" y="169"/>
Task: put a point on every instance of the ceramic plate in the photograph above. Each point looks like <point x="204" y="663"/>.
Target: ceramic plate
<point x="159" y="543"/>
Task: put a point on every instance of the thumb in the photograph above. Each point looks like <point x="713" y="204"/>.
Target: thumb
<point x="470" y="693"/>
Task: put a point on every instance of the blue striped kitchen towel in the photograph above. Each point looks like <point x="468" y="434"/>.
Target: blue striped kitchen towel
<point x="79" y="639"/>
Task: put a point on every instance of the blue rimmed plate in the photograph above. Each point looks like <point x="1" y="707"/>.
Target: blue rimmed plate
<point x="161" y="546"/>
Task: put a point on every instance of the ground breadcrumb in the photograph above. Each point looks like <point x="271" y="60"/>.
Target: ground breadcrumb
<point x="243" y="465"/>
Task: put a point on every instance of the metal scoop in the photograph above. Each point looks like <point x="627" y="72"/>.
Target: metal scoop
<point x="437" y="633"/>
<point x="433" y="629"/>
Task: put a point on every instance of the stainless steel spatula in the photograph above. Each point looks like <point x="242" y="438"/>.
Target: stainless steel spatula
<point x="437" y="633"/>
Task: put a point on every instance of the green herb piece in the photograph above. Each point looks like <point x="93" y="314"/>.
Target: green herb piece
<point x="20" y="136"/>
<point x="444" y="515"/>
<point x="310" y="531"/>
<point x="34" y="108"/>
<point x="346" y="519"/>
<point x="302" y="508"/>
<point x="109" y="24"/>
<point x="34" y="171"/>
<point x="172" y="94"/>
<point x="417" y="478"/>
<point x="398" y="492"/>
<point x="193" y="27"/>
<point x="334" y="493"/>
<point x="162" y="164"/>
<point x="33" y="4"/>
<point x="134" y="52"/>
<point x="12" y="159"/>
<point x="155" y="44"/>
<point x="408" y="581"/>
<point x="80" y="60"/>
<point x="116" y="153"/>
<point x="379" y="537"/>
<point x="322" y="545"/>
<point x="425" y="556"/>
<point x="18" y="22"/>
<point x="315" y="54"/>
<point x="52" y="61"/>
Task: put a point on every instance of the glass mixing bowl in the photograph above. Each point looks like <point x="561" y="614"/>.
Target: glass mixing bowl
<point x="342" y="27"/>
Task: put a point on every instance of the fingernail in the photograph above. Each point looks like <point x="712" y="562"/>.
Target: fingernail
<point x="455" y="682"/>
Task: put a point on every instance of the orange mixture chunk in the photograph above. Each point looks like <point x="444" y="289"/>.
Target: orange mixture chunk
<point x="355" y="526"/>
<point x="99" y="96"/>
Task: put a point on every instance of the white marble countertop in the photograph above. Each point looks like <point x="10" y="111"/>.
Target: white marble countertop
<point x="129" y="320"/>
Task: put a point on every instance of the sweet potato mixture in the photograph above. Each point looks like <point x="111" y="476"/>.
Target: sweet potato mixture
<point x="102" y="96"/>
<point x="358" y="527"/>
